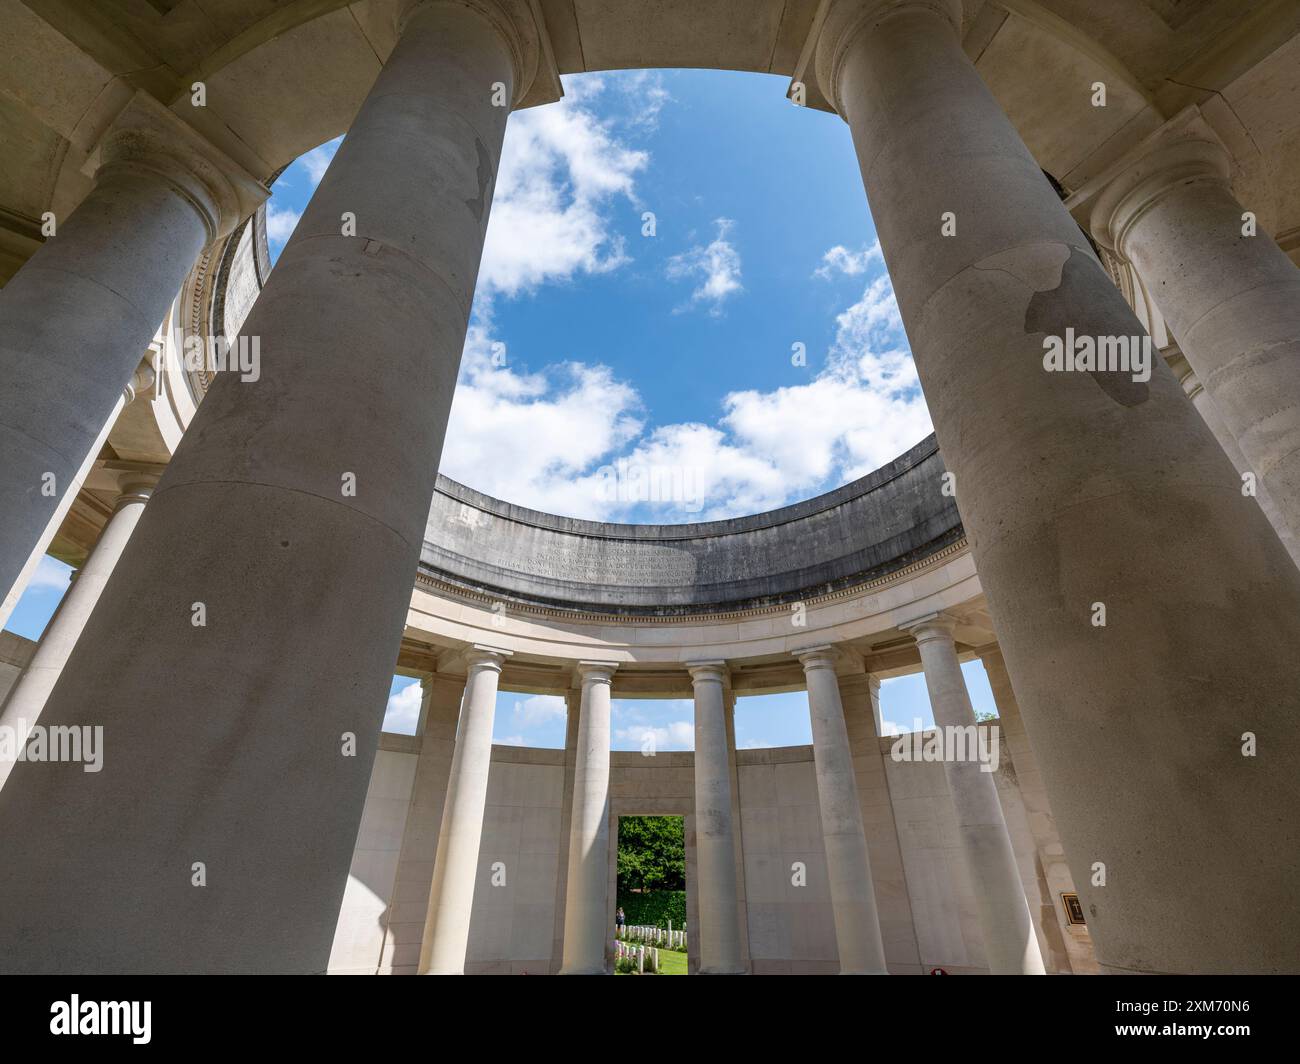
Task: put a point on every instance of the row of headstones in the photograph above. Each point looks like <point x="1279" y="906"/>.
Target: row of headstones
<point x="646" y="957"/>
<point x="655" y="936"/>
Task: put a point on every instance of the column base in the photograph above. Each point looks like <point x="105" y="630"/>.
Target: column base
<point x="582" y="971"/>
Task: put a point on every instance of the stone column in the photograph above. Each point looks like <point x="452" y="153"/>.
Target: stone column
<point x="1204" y="405"/>
<point x="1067" y="947"/>
<point x="1070" y="486"/>
<point x="586" y="902"/>
<point x="853" y="894"/>
<point x="292" y="513"/>
<point x="715" y="835"/>
<point x="573" y="714"/>
<point x="1010" y="943"/>
<point x="408" y="907"/>
<point x="455" y="869"/>
<point x="1231" y="300"/>
<point x="76" y="317"/>
<point x="141" y="381"/>
<point x="27" y="698"/>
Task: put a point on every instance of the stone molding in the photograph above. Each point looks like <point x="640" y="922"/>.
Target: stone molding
<point x="707" y="671"/>
<point x="457" y="592"/>
<point x="595" y="671"/>
<point x="147" y="138"/>
<point x="822" y="656"/>
<point x="523" y="29"/>
<point x="479" y="658"/>
<point x="1184" y="151"/>
<point x="931" y="627"/>
<point x="840" y="22"/>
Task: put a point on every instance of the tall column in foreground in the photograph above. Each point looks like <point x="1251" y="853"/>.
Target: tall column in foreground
<point x="1229" y="294"/>
<point x="451" y="897"/>
<point x="715" y="835"/>
<point x="27" y="699"/>
<point x="853" y="894"/>
<point x="141" y="381"/>
<point x="1081" y="491"/>
<point x="76" y="317"/>
<point x="1010" y="943"/>
<point x="271" y="573"/>
<point x="586" y="904"/>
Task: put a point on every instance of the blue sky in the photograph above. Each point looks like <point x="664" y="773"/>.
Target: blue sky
<point x="594" y="346"/>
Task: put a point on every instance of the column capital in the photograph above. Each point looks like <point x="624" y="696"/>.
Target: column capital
<point x="146" y="137"/>
<point x="931" y="626"/>
<point x="136" y="485"/>
<point x="822" y="656"/>
<point x="536" y="76"/>
<point x="708" y="670"/>
<point x="480" y="656"/>
<point x="596" y="671"/>
<point x="142" y="380"/>
<point x="838" y="24"/>
<point x="1184" y="151"/>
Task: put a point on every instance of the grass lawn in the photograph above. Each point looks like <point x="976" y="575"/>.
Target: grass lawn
<point x="671" y="962"/>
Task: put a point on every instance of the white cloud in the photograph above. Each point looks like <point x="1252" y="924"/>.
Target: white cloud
<point x="540" y="709"/>
<point x="645" y="89"/>
<point x="561" y="169"/>
<point x="530" y="438"/>
<point x="716" y="265"/>
<point x="280" y="224"/>
<point x="840" y="259"/>
<point x="403" y="712"/>
<point x="550" y="440"/>
<point x="317" y="161"/>
<point x="677" y="735"/>
<point x="49" y="574"/>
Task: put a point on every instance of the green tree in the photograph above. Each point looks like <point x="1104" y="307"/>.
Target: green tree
<point x="651" y="853"/>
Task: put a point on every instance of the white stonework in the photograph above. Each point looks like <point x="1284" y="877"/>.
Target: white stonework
<point x="1075" y="490"/>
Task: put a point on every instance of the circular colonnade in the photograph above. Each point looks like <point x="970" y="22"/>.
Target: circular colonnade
<point x="1075" y="488"/>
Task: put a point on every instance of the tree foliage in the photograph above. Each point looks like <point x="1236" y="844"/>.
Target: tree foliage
<point x="651" y="853"/>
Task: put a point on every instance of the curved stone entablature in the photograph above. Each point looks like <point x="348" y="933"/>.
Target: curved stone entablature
<point x="879" y="524"/>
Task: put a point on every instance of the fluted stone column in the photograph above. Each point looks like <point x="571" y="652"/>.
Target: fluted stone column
<point x="1231" y="300"/>
<point x="27" y="699"/>
<point x="853" y="894"/>
<point x="77" y="315"/>
<point x="586" y="903"/>
<point x="1079" y="488"/>
<point x="293" y="513"/>
<point x="141" y="381"/>
<point x="1010" y="943"/>
<point x="715" y="835"/>
<point x="451" y="897"/>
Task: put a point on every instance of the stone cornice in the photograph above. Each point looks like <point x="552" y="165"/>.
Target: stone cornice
<point x="146" y="137"/>
<point x="474" y="597"/>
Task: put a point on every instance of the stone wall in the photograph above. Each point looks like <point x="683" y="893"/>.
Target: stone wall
<point x="927" y="905"/>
